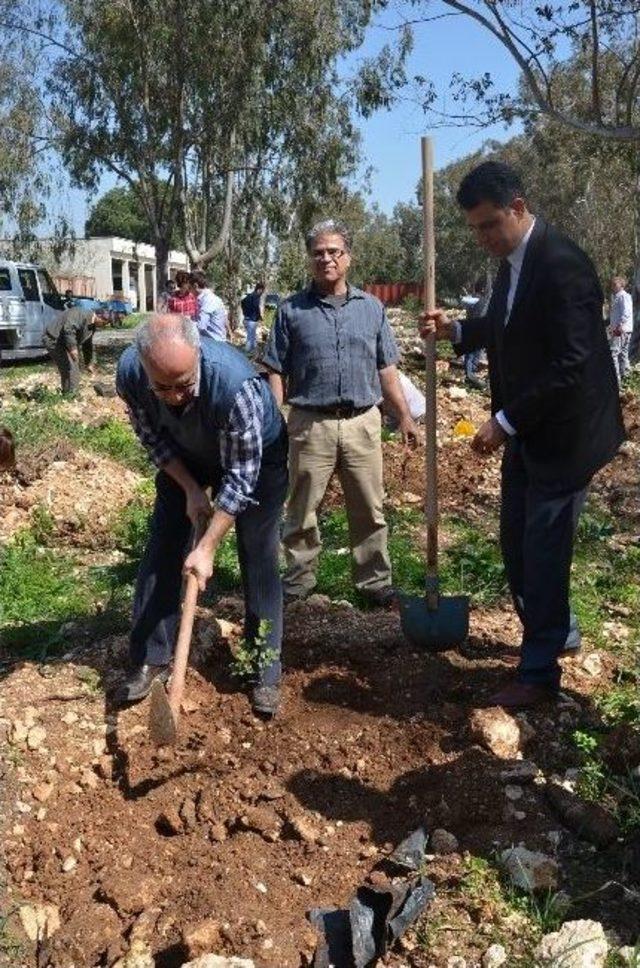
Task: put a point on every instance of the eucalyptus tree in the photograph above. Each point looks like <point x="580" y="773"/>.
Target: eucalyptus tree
<point x="210" y="112"/>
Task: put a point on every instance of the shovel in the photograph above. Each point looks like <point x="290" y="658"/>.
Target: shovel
<point x="164" y="711"/>
<point x="434" y="622"/>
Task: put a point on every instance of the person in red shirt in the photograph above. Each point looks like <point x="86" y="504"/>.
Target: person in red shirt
<point x="184" y="300"/>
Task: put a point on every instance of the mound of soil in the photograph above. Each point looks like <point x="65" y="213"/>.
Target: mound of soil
<point x="247" y="825"/>
<point x="81" y="492"/>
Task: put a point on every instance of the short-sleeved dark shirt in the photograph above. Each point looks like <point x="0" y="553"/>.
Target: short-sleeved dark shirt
<point x="70" y="328"/>
<point x="251" y="306"/>
<point x="330" y="353"/>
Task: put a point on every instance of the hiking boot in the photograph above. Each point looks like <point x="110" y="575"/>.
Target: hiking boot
<point x="138" y="683"/>
<point x="386" y="597"/>
<point x="265" y="700"/>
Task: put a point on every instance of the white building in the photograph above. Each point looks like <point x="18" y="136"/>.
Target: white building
<point x="116" y="266"/>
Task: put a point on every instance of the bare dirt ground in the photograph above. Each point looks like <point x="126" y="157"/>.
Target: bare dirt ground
<point x="224" y="843"/>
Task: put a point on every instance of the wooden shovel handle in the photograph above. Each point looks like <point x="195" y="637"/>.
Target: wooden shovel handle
<point x="431" y="456"/>
<point x="187" y="617"/>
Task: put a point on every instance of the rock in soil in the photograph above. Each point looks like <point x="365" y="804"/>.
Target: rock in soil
<point x="219" y="961"/>
<point x="138" y="956"/>
<point x="497" y="731"/>
<point x="530" y="870"/>
<point x="40" y="921"/>
<point x="578" y="944"/>
<point x="200" y="938"/>
<point x="494" y="957"/>
<point x="443" y="842"/>
<point x="587" y="820"/>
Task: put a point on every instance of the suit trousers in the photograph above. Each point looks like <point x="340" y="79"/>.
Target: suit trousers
<point x="537" y="531"/>
<point x="156" y="608"/>
<point x="352" y="447"/>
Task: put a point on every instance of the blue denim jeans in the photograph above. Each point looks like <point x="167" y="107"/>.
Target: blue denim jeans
<point x="251" y="329"/>
<point x="156" y="608"/>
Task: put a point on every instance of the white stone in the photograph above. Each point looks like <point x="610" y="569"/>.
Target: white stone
<point x="138" y="956"/>
<point x="457" y="393"/>
<point x="513" y="792"/>
<point x="530" y="870"/>
<point x="443" y="842"/>
<point x="578" y="944"/>
<point x="456" y="961"/>
<point x="494" y="956"/>
<point x="70" y="718"/>
<point x="39" y="921"/>
<point x="69" y="864"/>
<point x="496" y="730"/>
<point x="36" y="737"/>
<point x="630" y="956"/>
<point x="219" y="961"/>
<point x="592" y="664"/>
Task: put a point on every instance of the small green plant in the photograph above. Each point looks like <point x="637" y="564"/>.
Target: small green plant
<point x="251" y="658"/>
<point x="473" y="565"/>
<point x="90" y="679"/>
<point x="593" y="781"/>
<point x="412" y="304"/>
<point x="9" y="944"/>
<point x="131" y="529"/>
<point x="42" y="524"/>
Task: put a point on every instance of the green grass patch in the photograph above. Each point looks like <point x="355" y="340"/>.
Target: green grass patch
<point x="603" y="575"/>
<point x="41" y="589"/>
<point x="472" y="565"/>
<point x="34" y="426"/>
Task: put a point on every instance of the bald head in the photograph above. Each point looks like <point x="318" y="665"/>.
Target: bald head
<point x="169" y="346"/>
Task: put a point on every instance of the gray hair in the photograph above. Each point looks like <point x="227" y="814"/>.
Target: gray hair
<point x="166" y="326"/>
<point x="328" y="226"/>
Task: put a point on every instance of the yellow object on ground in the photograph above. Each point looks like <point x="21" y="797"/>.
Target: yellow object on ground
<point x="464" y="428"/>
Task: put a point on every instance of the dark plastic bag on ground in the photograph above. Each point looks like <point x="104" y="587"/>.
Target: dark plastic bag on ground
<point x="376" y="918"/>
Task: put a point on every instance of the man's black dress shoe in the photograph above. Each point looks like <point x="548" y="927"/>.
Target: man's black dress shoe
<point x="137" y="685"/>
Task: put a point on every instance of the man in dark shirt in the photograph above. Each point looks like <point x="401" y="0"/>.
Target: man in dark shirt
<point x="333" y="347"/>
<point x="68" y="333"/>
<point x="252" y="315"/>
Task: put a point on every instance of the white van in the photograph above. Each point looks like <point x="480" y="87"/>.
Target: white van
<point x="28" y="301"/>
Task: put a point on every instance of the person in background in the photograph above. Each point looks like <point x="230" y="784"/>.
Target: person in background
<point x="620" y="326"/>
<point x="476" y="305"/>
<point x="331" y="344"/>
<point x="164" y="296"/>
<point x="65" y="337"/>
<point x="212" y="314"/>
<point x="415" y="402"/>
<point x="252" y="315"/>
<point x="183" y="300"/>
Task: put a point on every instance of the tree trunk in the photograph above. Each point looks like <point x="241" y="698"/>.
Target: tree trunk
<point x="162" y="263"/>
<point x="634" y="348"/>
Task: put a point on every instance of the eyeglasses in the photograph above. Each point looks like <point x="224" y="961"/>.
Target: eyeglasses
<point x="318" y="254"/>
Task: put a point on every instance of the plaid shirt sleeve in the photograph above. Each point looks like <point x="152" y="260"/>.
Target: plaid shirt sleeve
<point x="154" y="442"/>
<point x="241" y="449"/>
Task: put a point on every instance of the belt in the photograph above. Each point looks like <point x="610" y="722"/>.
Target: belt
<point x="341" y="411"/>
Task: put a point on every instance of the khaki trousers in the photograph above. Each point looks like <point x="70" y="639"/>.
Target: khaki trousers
<point x="318" y="446"/>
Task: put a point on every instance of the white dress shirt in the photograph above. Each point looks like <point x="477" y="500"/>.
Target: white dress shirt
<point x="621" y="311"/>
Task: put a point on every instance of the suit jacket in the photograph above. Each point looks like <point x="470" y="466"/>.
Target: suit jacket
<point x="550" y="367"/>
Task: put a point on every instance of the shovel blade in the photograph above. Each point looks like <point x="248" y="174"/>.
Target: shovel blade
<point x="435" y="629"/>
<point x="163" y="722"/>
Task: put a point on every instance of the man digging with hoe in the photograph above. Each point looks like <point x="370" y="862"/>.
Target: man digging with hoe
<point x="207" y="420"/>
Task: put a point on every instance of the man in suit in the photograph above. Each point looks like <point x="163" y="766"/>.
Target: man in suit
<point x="554" y="405"/>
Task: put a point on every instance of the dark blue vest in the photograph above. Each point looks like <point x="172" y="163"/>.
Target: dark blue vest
<point x="194" y="433"/>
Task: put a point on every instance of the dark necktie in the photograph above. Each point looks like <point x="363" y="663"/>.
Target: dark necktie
<point x="501" y="292"/>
